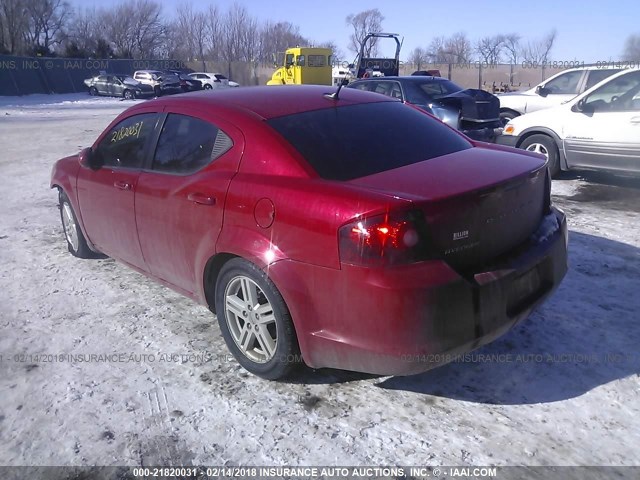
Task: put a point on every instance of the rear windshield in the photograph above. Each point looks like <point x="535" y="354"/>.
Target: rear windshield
<point x="359" y="140"/>
<point x="439" y="88"/>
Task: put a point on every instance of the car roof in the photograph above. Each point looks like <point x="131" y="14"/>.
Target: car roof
<point x="273" y="101"/>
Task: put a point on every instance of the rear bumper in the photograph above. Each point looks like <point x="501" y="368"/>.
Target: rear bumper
<point x="409" y="319"/>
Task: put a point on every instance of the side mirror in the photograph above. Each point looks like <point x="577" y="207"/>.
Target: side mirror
<point x="583" y="107"/>
<point x="542" y="91"/>
<point x="88" y="159"/>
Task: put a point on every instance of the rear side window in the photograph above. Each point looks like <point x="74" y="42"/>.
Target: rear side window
<point x="124" y="145"/>
<point x="187" y="144"/>
<point x="596" y="76"/>
<point x="359" y="140"/>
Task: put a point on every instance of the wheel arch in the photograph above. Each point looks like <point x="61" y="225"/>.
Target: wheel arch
<point x="76" y="210"/>
<point x="510" y="110"/>
<point x="528" y="132"/>
<point x="210" y="276"/>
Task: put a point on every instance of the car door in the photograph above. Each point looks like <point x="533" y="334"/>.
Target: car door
<point x="557" y="90"/>
<point x="181" y="194"/>
<point x="603" y="130"/>
<point x="102" y="85"/>
<point x="114" y="86"/>
<point x="106" y="195"/>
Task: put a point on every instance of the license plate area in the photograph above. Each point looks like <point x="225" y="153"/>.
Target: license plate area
<point x="523" y="291"/>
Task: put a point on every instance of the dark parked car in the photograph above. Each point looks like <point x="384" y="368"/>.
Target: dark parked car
<point x="116" y="85"/>
<point x="187" y="83"/>
<point x="386" y="246"/>
<point x="474" y="112"/>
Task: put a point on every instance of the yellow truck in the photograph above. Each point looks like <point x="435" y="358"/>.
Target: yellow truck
<point x="304" y="65"/>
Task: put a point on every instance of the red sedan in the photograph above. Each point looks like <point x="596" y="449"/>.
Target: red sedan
<point x="352" y="232"/>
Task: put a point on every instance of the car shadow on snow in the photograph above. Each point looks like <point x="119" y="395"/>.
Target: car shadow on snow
<point x="585" y="336"/>
<point x="617" y="192"/>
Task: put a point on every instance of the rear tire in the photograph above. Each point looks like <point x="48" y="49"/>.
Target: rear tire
<point x="76" y="243"/>
<point x="546" y="146"/>
<point x="207" y="86"/>
<point x="93" y="91"/>
<point x="255" y="321"/>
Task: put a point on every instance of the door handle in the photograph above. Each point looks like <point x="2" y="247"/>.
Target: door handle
<point x="122" y="185"/>
<point x="201" y="198"/>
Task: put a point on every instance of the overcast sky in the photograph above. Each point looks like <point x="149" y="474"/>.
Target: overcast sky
<point x="588" y="31"/>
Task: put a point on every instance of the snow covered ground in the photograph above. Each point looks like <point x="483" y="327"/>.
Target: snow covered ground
<point x="560" y="389"/>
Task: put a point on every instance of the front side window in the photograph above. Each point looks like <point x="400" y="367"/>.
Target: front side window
<point x="620" y="94"/>
<point x="187" y="144"/>
<point x="124" y="145"/>
<point x="564" y="84"/>
<point x="300" y="60"/>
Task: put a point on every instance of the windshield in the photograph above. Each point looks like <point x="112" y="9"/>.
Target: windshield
<point x="344" y="143"/>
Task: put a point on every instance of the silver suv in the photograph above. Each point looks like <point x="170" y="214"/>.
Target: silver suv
<point x="161" y="82"/>
<point x="553" y="91"/>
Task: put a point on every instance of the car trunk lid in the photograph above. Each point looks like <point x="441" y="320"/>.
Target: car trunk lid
<point x="479" y="203"/>
<point x="475" y="105"/>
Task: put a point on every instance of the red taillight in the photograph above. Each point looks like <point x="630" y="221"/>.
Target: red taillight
<point x="388" y="239"/>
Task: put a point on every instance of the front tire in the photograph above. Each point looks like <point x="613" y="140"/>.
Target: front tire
<point x="128" y="95"/>
<point x="93" y="91"/>
<point x="546" y="146"/>
<point x="76" y="243"/>
<point x="255" y="321"/>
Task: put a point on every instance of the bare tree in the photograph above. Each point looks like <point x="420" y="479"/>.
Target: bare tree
<point x="189" y="34"/>
<point x="538" y="51"/>
<point x="363" y="23"/>
<point x="15" y="23"/>
<point x="275" y="38"/>
<point x="83" y="34"/>
<point x="512" y="47"/>
<point x="489" y="49"/>
<point x="119" y="24"/>
<point x="136" y="30"/>
<point x="213" y="18"/>
<point x="632" y="48"/>
<point x="47" y="22"/>
<point x="418" y="57"/>
<point x="234" y="35"/>
<point x="435" y="50"/>
<point x="149" y="28"/>
<point x="457" y="48"/>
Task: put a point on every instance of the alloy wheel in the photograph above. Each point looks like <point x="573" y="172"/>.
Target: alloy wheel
<point x="251" y="319"/>
<point x="538" y="148"/>
<point x="69" y="223"/>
